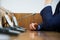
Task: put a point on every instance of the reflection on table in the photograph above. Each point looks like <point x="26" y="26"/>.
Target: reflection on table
<point x="37" y="35"/>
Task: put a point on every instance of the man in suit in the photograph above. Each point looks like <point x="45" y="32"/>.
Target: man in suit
<point x="50" y="21"/>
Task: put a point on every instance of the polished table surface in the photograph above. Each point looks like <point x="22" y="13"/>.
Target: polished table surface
<point x="37" y="35"/>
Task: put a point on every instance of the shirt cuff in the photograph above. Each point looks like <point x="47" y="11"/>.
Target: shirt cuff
<point x="39" y="27"/>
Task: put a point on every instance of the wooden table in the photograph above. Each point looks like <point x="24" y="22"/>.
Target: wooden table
<point x="34" y="35"/>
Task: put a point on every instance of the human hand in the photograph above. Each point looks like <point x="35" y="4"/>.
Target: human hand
<point x="33" y="26"/>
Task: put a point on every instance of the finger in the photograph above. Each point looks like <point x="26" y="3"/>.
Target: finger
<point x="33" y="26"/>
<point x="30" y="26"/>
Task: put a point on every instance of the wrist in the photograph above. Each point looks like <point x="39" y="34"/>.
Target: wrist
<point x="38" y="28"/>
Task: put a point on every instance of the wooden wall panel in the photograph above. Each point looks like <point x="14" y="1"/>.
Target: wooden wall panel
<point x="27" y="20"/>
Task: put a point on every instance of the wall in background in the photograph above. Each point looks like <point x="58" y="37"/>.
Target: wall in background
<point x="24" y="6"/>
<point x="0" y="3"/>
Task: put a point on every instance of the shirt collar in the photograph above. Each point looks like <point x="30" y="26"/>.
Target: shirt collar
<point x="53" y="5"/>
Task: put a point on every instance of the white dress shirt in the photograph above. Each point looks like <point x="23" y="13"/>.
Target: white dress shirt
<point x="53" y="4"/>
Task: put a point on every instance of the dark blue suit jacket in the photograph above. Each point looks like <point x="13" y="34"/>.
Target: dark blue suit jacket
<point x="50" y="22"/>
